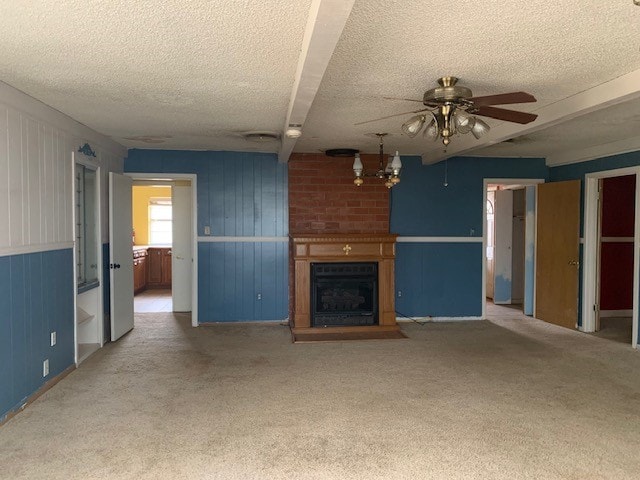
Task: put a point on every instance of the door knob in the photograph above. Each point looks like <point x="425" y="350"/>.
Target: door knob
<point x="178" y="257"/>
<point x="114" y="265"/>
<point x="574" y="262"/>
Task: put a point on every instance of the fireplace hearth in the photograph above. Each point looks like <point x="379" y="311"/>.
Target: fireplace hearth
<point x="344" y="294"/>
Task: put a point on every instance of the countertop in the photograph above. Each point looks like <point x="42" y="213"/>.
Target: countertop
<point x="146" y="247"/>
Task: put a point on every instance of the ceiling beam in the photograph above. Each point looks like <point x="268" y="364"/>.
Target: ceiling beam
<point x="618" y="90"/>
<point x="327" y="19"/>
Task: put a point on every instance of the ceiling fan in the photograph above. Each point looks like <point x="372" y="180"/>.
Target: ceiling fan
<point x="452" y="108"/>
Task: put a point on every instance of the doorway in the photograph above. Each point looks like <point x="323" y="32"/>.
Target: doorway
<point x="611" y="255"/>
<point x="152" y="213"/>
<point x="165" y="243"/>
<point x="508" y="243"/>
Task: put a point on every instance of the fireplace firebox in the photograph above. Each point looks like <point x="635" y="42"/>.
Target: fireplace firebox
<point x="344" y="294"/>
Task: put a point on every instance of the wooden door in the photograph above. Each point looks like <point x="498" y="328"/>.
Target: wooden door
<point x="557" y="250"/>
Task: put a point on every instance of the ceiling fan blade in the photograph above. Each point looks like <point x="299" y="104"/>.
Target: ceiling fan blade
<point x="403" y="99"/>
<point x="391" y="116"/>
<point x="503" y="99"/>
<point x="504" y="114"/>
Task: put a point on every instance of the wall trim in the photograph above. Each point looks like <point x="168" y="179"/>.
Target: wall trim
<point x="617" y="239"/>
<point x="439" y="240"/>
<point x="616" y="313"/>
<point x="436" y="319"/>
<point x="224" y="239"/>
<point x="39" y="248"/>
<point x="276" y="323"/>
<point x="35" y="395"/>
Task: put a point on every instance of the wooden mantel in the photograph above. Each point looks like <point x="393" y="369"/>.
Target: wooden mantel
<point x="307" y="249"/>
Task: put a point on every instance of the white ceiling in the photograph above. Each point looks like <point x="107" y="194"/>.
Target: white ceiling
<point x="197" y="74"/>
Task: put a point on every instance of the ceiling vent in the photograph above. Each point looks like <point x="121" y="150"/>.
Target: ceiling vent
<point x="261" y="137"/>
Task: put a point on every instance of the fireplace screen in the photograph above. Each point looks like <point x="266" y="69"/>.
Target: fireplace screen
<point x="344" y="294"/>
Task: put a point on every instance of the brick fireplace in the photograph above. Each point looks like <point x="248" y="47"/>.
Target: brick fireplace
<point x="333" y="222"/>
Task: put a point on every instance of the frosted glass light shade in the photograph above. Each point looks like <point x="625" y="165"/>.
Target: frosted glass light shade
<point x="357" y="165"/>
<point x="396" y="163"/>
<point x="479" y="128"/>
<point x="413" y="126"/>
<point x="463" y="121"/>
<point x="431" y="132"/>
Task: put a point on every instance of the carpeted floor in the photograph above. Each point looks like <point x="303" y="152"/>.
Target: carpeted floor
<point x="511" y="398"/>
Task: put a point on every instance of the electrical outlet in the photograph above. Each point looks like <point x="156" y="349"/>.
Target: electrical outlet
<point x="53" y="339"/>
<point x="259" y="296"/>
<point x="45" y="368"/>
<point x="399" y="293"/>
<point x="207" y="230"/>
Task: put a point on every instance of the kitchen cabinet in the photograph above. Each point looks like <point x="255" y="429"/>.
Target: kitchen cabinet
<point x="159" y="268"/>
<point x="139" y="270"/>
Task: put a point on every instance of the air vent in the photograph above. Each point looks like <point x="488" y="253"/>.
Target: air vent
<point x="341" y="152"/>
<point x="261" y="137"/>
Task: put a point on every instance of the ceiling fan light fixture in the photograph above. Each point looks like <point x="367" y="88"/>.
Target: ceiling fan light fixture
<point x="479" y="128"/>
<point x="413" y="126"/>
<point x="432" y="131"/>
<point x="463" y="121"/>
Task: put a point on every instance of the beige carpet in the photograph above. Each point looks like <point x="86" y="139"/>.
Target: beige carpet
<point x="509" y="399"/>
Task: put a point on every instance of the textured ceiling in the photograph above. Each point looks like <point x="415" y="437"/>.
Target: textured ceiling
<point x="198" y="74"/>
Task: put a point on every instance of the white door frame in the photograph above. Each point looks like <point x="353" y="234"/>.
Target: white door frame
<point x="194" y="216"/>
<point x="590" y="248"/>
<point x="498" y="181"/>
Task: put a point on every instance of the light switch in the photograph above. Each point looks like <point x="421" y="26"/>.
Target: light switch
<point x="207" y="230"/>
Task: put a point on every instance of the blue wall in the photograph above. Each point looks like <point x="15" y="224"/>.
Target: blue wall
<point x="239" y="195"/>
<point x="445" y="279"/>
<point x="36" y="298"/>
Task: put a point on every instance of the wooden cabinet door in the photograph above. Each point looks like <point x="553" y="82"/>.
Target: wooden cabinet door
<point x="155" y="266"/>
<point x="143" y="272"/>
<point x="135" y="275"/>
<point x="166" y="267"/>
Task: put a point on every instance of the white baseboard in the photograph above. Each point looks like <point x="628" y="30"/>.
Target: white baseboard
<point x="436" y="319"/>
<point x="615" y="313"/>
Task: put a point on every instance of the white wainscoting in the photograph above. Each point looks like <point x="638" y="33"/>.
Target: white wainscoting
<point x="36" y="182"/>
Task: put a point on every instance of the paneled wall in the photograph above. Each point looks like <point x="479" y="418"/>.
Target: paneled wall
<point x="36" y="239"/>
<point x="242" y="199"/>
<point x="437" y="211"/>
<point x="36" y="298"/>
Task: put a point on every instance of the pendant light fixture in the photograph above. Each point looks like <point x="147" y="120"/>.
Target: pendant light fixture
<point x="390" y="172"/>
